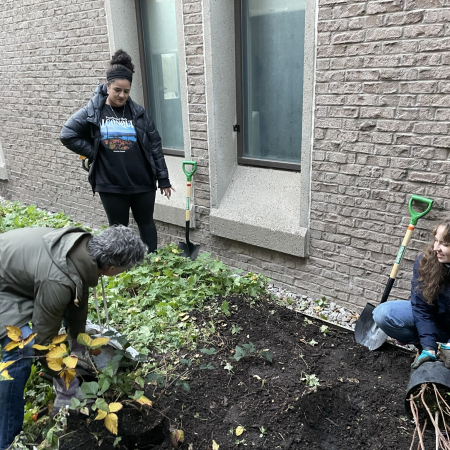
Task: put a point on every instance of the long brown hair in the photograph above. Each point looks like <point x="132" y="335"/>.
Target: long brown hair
<point x="433" y="275"/>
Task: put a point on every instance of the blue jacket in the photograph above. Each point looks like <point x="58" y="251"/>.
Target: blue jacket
<point x="429" y="318"/>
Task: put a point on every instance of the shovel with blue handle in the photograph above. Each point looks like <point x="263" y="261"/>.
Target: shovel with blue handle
<point x="190" y="250"/>
<point x="367" y="332"/>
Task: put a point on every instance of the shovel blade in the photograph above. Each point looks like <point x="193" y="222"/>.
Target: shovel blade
<point x="189" y="249"/>
<point x="367" y="332"/>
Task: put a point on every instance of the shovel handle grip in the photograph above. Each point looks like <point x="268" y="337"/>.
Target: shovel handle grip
<point x="187" y="172"/>
<point x="415" y="216"/>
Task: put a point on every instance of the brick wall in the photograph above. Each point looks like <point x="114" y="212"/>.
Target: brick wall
<point x="382" y="118"/>
<point x="380" y="135"/>
<point x="53" y="54"/>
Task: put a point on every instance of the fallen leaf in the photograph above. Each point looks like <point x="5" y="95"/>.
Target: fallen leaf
<point x="144" y="401"/>
<point x="215" y="446"/>
<point x="239" y="430"/>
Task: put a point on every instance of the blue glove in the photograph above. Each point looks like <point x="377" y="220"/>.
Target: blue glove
<point x="425" y="356"/>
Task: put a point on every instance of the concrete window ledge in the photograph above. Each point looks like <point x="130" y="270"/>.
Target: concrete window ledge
<point x="262" y="207"/>
<point x="173" y="211"/>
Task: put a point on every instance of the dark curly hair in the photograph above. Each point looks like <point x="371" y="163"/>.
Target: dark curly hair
<point x="120" y="60"/>
<point x="433" y="275"/>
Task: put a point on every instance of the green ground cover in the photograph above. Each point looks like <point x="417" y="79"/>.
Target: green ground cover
<point x="152" y="305"/>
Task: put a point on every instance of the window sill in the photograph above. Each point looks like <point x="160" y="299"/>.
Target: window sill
<point x="262" y="207"/>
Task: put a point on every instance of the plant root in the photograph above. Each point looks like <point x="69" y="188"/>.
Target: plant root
<point x="440" y="414"/>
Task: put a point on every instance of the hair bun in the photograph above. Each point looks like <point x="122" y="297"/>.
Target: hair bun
<point x="122" y="58"/>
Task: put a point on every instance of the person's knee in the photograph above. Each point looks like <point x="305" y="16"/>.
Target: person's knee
<point x="379" y="315"/>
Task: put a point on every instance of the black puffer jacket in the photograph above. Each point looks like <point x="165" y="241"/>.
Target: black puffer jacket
<point x="81" y="134"/>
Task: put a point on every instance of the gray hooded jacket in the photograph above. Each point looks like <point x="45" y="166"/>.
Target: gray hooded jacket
<point x="42" y="272"/>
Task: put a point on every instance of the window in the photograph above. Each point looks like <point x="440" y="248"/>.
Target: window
<point x="159" y="60"/>
<point x="269" y="67"/>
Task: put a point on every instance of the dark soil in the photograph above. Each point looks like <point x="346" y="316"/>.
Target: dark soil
<point x="358" y="405"/>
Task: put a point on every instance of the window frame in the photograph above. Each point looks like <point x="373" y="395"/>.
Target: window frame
<point x="140" y="33"/>
<point x="241" y="159"/>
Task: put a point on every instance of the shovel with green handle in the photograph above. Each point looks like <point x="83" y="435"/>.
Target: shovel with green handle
<point x="190" y="250"/>
<point x="366" y="331"/>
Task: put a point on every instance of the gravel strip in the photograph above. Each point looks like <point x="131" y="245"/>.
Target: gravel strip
<point x="322" y="310"/>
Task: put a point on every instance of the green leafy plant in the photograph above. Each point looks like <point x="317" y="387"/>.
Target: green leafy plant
<point x="311" y="381"/>
<point x="235" y="329"/>
<point x="324" y="329"/>
<point x="16" y="215"/>
<point x="322" y="302"/>
<point x="248" y="349"/>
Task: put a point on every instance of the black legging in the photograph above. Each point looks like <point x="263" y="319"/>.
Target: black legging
<point x="117" y="208"/>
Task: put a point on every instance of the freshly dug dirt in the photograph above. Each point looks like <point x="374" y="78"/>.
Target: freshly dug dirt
<point x="359" y="403"/>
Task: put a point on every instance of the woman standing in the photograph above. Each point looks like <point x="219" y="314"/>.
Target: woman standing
<point x="425" y="320"/>
<point x="123" y="150"/>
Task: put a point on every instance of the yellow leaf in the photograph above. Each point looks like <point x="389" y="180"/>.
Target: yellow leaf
<point x="57" y="352"/>
<point x="215" y="446"/>
<point x="101" y="414"/>
<point x="111" y="423"/>
<point x="27" y="340"/>
<point x="84" y="339"/>
<point x="144" y="400"/>
<point x="180" y="435"/>
<point x="11" y="345"/>
<point x="239" y="430"/>
<point x="114" y="407"/>
<point x="14" y="333"/>
<point x="4" y="365"/>
<point x="71" y="361"/>
<point x="99" y="342"/>
<point x="5" y="376"/>
<point x="58" y="339"/>
<point x="68" y="375"/>
<point x="176" y="436"/>
<point x="40" y="347"/>
<point x="54" y="363"/>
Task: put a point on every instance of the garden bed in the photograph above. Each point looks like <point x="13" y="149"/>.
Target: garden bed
<point x="357" y="402"/>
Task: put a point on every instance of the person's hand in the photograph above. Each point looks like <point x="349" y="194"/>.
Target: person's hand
<point x="85" y="164"/>
<point x="64" y="395"/>
<point x="444" y="354"/>
<point x="167" y="191"/>
<point x="81" y="353"/>
<point x="425" y="356"/>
